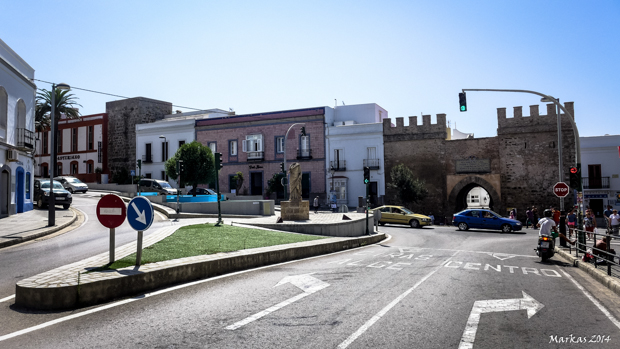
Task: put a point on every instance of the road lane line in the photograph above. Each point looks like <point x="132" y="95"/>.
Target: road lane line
<point x="384" y="311"/>
<point x="7" y="298"/>
<point x="178" y="287"/>
<point x="267" y="311"/>
<point x="593" y="300"/>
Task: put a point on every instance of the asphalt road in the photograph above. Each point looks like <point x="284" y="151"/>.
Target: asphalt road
<point x="424" y="288"/>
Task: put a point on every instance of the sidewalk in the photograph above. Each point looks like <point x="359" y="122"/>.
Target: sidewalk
<point x="32" y="225"/>
<point x="599" y="273"/>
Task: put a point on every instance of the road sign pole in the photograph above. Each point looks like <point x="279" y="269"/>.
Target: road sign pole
<point x="139" y="251"/>
<point x="367" y="208"/>
<point x="112" y="244"/>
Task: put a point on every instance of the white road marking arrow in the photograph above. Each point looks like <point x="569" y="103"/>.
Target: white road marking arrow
<point x="141" y="217"/>
<point x="489" y="306"/>
<point x="307" y="283"/>
<point x="502" y="256"/>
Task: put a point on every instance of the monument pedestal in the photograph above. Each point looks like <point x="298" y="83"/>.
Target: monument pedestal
<point x="295" y="211"/>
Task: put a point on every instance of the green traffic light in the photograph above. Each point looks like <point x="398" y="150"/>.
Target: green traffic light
<point x="463" y="108"/>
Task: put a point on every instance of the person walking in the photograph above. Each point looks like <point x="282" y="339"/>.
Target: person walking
<point x="589" y="221"/>
<point x="316" y="204"/>
<point x="512" y="214"/>
<point x="535" y="213"/>
<point x="571" y="220"/>
<point x="614" y="221"/>
<point x="530" y="217"/>
<point x="608" y="213"/>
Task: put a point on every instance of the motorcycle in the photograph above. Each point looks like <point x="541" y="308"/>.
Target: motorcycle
<point x="546" y="247"/>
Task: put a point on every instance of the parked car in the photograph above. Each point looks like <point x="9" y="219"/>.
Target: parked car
<point x="72" y="184"/>
<point x="42" y="192"/>
<point x="402" y="215"/>
<point x="484" y="219"/>
<point x="148" y="185"/>
<point x="205" y="191"/>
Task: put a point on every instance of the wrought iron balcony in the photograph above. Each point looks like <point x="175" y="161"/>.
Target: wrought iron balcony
<point x="338" y="165"/>
<point x="148" y="158"/>
<point x="373" y="164"/>
<point x="304" y="154"/>
<point x="595" y="182"/>
<point x="25" y="139"/>
<point x="256" y="156"/>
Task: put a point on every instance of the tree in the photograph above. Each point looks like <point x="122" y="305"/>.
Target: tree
<point x="238" y="180"/>
<point x="410" y="190"/>
<point x="274" y="185"/>
<point x="65" y="104"/>
<point x="198" y="163"/>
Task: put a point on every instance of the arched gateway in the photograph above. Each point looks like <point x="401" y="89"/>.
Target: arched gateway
<point x="457" y="200"/>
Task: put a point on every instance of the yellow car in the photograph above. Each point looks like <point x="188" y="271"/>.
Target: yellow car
<point x="402" y="215"/>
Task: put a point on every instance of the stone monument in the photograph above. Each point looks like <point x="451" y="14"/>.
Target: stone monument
<point x="295" y="209"/>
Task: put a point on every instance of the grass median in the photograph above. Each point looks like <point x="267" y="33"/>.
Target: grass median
<point x="204" y="239"/>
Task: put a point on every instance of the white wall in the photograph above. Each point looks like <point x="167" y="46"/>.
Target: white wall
<point x="602" y="150"/>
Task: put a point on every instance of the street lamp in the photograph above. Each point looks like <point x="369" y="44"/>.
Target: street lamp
<point x="51" y="203"/>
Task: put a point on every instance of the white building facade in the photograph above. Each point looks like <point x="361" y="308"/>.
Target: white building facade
<point x="354" y="140"/>
<point x="158" y="141"/>
<point x="17" y="104"/>
<point x="600" y="172"/>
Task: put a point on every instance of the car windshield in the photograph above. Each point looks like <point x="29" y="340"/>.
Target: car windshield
<point x="164" y="184"/>
<point x="46" y="185"/>
<point x="74" y="180"/>
<point x="211" y="192"/>
<point x="406" y="210"/>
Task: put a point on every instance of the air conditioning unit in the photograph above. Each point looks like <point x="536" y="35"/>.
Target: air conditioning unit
<point x="11" y="155"/>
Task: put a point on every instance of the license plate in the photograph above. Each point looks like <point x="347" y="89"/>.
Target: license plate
<point x="60" y="198"/>
<point x="544" y="244"/>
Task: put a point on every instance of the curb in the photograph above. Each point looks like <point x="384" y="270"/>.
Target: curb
<point x="128" y="281"/>
<point x="41" y="234"/>
<point x="610" y="282"/>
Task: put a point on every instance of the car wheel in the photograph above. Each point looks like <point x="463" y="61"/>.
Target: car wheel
<point x="506" y="228"/>
<point x="66" y="207"/>
<point x="382" y="223"/>
<point x="40" y="203"/>
<point x="463" y="226"/>
<point x="414" y="223"/>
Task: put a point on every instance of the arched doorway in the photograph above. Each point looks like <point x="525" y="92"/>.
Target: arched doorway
<point x="5" y="190"/>
<point x="19" y="190"/>
<point x="457" y="200"/>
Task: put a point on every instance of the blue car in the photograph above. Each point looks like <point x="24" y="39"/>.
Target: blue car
<point x="484" y="219"/>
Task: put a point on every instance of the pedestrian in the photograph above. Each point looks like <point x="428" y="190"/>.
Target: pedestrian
<point x="530" y="217"/>
<point x="589" y="221"/>
<point x="334" y="207"/>
<point x="535" y="213"/>
<point x="316" y="204"/>
<point x="571" y="219"/>
<point x="614" y="221"/>
<point x="607" y="213"/>
<point x="556" y="216"/>
<point x="432" y="218"/>
<point x="512" y="214"/>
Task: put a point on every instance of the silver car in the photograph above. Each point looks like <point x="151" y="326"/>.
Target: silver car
<point x="72" y="184"/>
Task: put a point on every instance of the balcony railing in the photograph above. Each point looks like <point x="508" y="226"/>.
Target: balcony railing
<point x="304" y="154"/>
<point x="338" y="165"/>
<point x="256" y="156"/>
<point x="373" y="164"/>
<point x="25" y="139"/>
<point x="148" y="158"/>
<point x="595" y="182"/>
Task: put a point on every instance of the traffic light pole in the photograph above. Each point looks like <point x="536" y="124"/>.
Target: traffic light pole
<point x="367" y="209"/>
<point x="218" y="162"/>
<point x="575" y="131"/>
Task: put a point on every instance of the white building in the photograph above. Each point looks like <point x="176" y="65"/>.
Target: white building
<point x="158" y="141"/>
<point x="354" y="139"/>
<point x="600" y="172"/>
<point x="17" y="103"/>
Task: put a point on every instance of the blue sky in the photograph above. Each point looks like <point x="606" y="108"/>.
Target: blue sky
<point x="410" y="57"/>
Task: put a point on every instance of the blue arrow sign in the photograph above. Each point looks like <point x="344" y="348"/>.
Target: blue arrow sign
<point x="140" y="213"/>
<point x="133" y="172"/>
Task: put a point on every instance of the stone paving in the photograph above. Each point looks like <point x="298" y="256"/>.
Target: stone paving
<point x="32" y="224"/>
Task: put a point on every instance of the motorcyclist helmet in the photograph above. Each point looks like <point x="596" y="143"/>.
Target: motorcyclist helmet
<point x="548" y="213"/>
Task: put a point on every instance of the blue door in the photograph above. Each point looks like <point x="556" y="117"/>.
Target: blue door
<point x="19" y="190"/>
<point x="475" y="221"/>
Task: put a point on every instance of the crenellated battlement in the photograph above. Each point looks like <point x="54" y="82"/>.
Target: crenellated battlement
<point x="505" y="124"/>
<point x="426" y="130"/>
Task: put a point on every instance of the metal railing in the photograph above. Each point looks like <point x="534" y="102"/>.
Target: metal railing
<point x="25" y="139"/>
<point x="601" y="251"/>
<point x="304" y="154"/>
<point x="373" y="164"/>
<point x="338" y="165"/>
<point x="595" y="182"/>
<point x="256" y="156"/>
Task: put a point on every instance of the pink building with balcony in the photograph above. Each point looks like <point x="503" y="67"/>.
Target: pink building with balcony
<point x="254" y="145"/>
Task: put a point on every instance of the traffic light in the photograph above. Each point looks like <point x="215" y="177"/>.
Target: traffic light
<point x="139" y="163"/>
<point x="303" y="131"/>
<point x="218" y="161"/>
<point x="181" y="166"/>
<point x="575" y="178"/>
<point x="366" y="174"/>
<point x="282" y="167"/>
<point x="463" y="101"/>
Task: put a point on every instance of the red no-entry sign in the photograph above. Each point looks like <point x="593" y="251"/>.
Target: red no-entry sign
<point x="560" y="189"/>
<point x="111" y="211"/>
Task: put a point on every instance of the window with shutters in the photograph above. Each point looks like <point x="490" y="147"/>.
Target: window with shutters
<point x="280" y="144"/>
<point x="253" y="146"/>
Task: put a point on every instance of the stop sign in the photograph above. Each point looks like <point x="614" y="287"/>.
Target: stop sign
<point x="560" y="189"/>
<point x="111" y="211"/>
